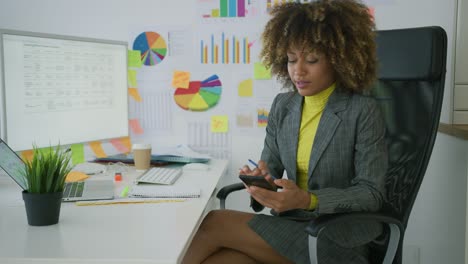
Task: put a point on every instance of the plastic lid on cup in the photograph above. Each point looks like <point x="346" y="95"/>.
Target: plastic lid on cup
<point x="141" y="146"/>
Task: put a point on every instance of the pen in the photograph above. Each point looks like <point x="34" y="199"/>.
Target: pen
<point x="256" y="166"/>
<point x="253" y="163"/>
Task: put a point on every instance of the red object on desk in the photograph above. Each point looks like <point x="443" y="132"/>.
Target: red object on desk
<point x="118" y="176"/>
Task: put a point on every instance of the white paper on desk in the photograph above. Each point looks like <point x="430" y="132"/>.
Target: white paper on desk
<point x="179" y="150"/>
<point x="157" y="191"/>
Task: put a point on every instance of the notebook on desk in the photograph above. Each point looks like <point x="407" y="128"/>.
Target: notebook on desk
<point x="155" y="159"/>
<point x="153" y="191"/>
<point x="13" y="165"/>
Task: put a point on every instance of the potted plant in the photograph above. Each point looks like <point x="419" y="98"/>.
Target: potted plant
<point x="45" y="175"/>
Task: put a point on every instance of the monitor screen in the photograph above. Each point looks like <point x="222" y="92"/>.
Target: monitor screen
<point x="62" y="90"/>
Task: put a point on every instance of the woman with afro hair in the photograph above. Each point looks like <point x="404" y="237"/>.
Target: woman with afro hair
<point x="324" y="133"/>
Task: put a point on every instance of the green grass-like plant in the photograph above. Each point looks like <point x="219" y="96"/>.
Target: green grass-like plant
<point x="47" y="170"/>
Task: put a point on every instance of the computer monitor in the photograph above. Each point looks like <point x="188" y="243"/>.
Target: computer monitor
<point x="61" y="89"/>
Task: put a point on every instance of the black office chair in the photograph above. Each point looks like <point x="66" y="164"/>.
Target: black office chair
<point x="410" y="88"/>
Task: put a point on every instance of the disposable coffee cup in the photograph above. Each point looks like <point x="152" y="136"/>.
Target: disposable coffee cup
<point x="141" y="156"/>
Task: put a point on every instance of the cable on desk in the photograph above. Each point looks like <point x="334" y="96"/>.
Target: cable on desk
<point x="114" y="167"/>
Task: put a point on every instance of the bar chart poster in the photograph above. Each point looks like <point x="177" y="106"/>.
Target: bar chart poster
<point x="227" y="10"/>
<point x="223" y="48"/>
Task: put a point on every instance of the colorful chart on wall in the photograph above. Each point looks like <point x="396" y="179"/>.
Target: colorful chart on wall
<point x="152" y="46"/>
<point x="200" y="95"/>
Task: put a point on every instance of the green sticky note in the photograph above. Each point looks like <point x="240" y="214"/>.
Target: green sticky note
<point x="134" y="58"/>
<point x="77" y="153"/>
<point x="132" y="79"/>
<point x="261" y="72"/>
<point x="245" y="88"/>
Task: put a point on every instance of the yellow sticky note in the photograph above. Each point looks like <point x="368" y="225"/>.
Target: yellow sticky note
<point x="133" y="92"/>
<point x="96" y="146"/>
<point x="135" y="126"/>
<point x="132" y="79"/>
<point x="261" y="72"/>
<point x="27" y="155"/>
<point x="181" y="79"/>
<point x="134" y="58"/>
<point x="73" y="176"/>
<point x="219" y="124"/>
<point x="118" y="144"/>
<point x="245" y="88"/>
<point x="77" y="153"/>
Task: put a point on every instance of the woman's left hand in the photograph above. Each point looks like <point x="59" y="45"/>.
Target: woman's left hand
<point x="291" y="196"/>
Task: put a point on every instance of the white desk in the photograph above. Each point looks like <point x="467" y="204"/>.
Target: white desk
<point x="132" y="233"/>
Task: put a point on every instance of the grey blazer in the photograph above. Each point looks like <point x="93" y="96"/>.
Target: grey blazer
<point x="348" y="161"/>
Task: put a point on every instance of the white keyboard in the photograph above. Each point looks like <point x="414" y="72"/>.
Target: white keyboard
<point x="90" y="168"/>
<point x="160" y="175"/>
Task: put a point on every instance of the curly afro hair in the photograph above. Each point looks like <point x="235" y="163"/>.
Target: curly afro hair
<point x="342" y="30"/>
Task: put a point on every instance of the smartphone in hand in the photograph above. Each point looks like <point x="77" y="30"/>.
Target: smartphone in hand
<point x="258" y="181"/>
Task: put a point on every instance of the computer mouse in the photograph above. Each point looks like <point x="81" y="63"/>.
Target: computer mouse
<point x="196" y="166"/>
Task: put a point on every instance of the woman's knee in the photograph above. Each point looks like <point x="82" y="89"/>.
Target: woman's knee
<point x="220" y="221"/>
<point x="212" y="221"/>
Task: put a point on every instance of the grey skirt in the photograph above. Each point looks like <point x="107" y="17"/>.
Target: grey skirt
<point x="288" y="237"/>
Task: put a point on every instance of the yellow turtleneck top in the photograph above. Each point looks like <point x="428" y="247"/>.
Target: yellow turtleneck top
<point x="312" y="110"/>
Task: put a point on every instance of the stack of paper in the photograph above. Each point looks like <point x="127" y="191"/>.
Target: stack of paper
<point x="179" y="153"/>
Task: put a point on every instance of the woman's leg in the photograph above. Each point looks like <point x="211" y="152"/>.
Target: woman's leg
<point x="226" y="233"/>
<point x="229" y="256"/>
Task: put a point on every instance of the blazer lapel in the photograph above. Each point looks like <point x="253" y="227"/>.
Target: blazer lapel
<point x="327" y="127"/>
<point x="294" y="123"/>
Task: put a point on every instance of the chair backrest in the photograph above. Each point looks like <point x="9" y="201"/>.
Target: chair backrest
<point x="410" y="88"/>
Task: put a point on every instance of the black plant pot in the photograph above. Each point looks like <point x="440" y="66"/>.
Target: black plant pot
<point x="42" y="208"/>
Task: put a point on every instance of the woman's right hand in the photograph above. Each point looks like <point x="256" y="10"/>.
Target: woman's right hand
<point x="261" y="170"/>
<point x="291" y="196"/>
<point x="245" y="170"/>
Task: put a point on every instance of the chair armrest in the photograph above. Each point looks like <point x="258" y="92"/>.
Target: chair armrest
<point x="396" y="229"/>
<point x="226" y="190"/>
<point x="316" y="225"/>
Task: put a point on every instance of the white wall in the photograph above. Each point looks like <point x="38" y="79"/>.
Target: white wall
<point x="418" y="13"/>
<point x="437" y="226"/>
<point x="437" y="223"/>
